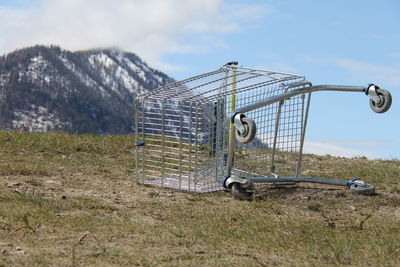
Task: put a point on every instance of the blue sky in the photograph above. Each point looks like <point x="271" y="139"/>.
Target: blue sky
<point x="351" y="42"/>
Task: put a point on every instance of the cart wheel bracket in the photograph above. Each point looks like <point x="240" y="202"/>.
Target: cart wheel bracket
<point x="355" y="181"/>
<point x="360" y="187"/>
<point x="371" y="91"/>
<point x="380" y="99"/>
<point x="228" y="181"/>
<point x="241" y="188"/>
<point x="223" y="181"/>
<point x="245" y="128"/>
<point x="237" y="121"/>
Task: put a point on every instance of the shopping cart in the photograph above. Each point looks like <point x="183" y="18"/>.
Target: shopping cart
<point x="237" y="125"/>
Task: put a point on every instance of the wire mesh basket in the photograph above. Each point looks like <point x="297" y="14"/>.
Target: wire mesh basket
<point x="193" y="134"/>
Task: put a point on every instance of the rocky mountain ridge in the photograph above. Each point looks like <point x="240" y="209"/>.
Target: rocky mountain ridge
<point x="46" y="88"/>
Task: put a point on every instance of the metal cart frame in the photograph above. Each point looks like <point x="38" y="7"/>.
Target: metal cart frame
<point x="243" y="188"/>
<point x="222" y="125"/>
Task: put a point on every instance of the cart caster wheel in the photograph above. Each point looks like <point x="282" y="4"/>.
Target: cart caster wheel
<point x="367" y="189"/>
<point x="243" y="191"/>
<point x="249" y="131"/>
<point x="384" y="104"/>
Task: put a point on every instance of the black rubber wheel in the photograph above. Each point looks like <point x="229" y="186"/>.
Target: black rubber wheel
<point x="384" y="104"/>
<point x="249" y="132"/>
<point x="243" y="191"/>
<point x="367" y="190"/>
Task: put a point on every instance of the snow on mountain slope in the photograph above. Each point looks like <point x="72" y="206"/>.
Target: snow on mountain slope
<point x="48" y="88"/>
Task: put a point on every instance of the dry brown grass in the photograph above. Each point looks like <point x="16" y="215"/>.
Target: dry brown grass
<point x="73" y="201"/>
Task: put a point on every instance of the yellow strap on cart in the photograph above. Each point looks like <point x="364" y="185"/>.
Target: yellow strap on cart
<point x="233" y="95"/>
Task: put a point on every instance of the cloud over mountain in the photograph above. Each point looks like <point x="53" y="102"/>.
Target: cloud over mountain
<point x="151" y="28"/>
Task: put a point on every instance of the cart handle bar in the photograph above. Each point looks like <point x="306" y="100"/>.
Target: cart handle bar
<point x="299" y="91"/>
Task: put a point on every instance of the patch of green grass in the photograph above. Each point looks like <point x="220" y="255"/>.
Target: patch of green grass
<point x="63" y="143"/>
<point x="47" y="154"/>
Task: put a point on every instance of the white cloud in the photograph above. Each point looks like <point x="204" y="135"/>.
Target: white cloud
<point x="389" y="74"/>
<point x="341" y="148"/>
<point x="150" y="28"/>
<point x="245" y="12"/>
<point x="333" y="147"/>
<point x="395" y="55"/>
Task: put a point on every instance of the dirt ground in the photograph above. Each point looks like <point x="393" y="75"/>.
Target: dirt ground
<point x="34" y="239"/>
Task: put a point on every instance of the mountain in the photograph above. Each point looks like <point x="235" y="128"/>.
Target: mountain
<point x="50" y="89"/>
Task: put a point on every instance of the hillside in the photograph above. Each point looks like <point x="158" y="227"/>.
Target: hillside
<point x="51" y="89"/>
<point x="69" y="200"/>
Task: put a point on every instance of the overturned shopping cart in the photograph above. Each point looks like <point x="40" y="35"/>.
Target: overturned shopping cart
<point x="231" y="129"/>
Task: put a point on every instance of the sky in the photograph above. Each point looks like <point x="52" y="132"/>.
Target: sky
<point x="344" y="42"/>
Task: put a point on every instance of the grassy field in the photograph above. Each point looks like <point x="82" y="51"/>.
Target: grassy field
<point x="73" y="201"/>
